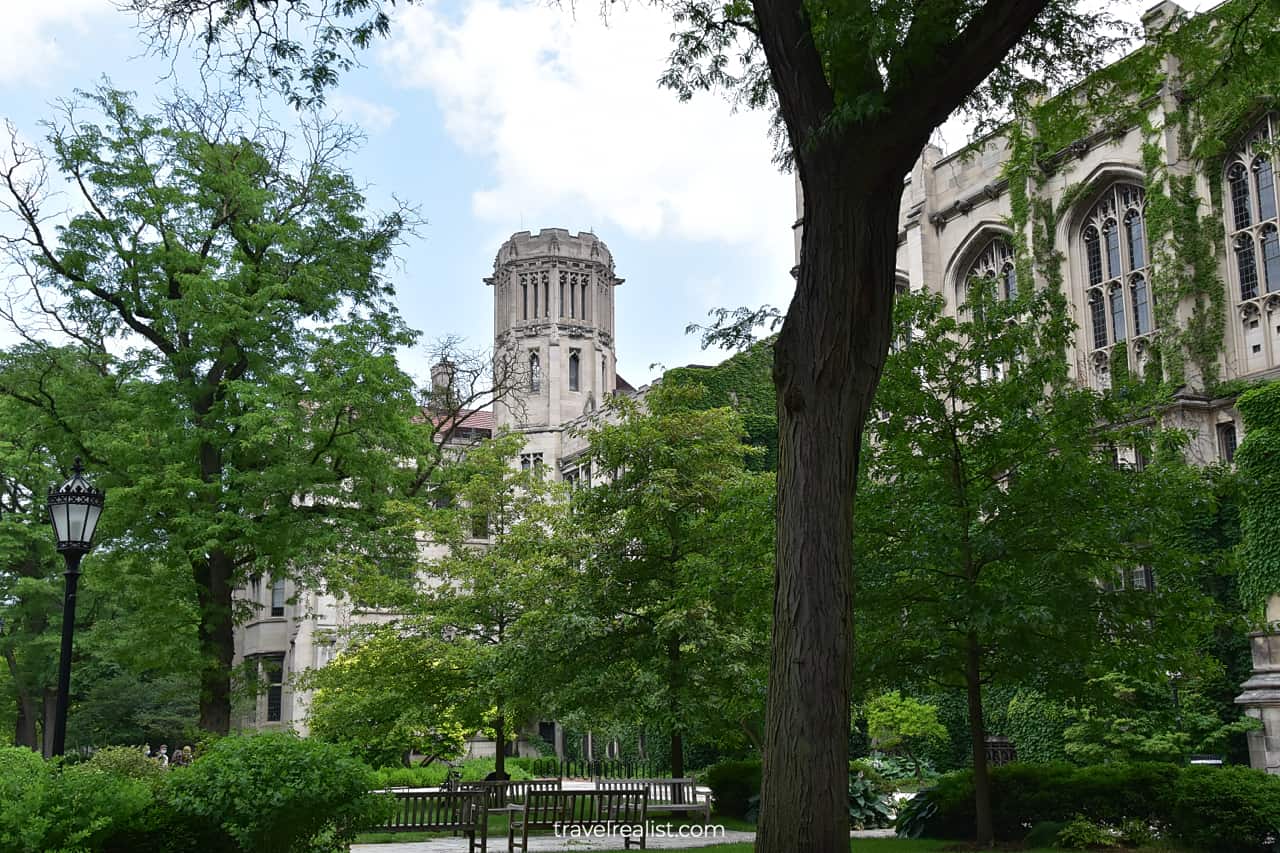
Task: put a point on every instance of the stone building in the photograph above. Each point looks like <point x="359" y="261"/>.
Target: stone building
<point x="554" y="316"/>
<point x="957" y="221"/>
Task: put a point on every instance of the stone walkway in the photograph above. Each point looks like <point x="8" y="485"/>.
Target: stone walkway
<point x="544" y="843"/>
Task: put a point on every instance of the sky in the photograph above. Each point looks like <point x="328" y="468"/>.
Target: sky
<point x="496" y="116"/>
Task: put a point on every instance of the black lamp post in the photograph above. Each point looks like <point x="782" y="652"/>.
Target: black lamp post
<point x="74" y="509"/>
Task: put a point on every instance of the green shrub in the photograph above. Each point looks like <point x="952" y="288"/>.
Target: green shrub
<point x="48" y="807"/>
<point x="869" y="808"/>
<point x="276" y="793"/>
<point x="1225" y="809"/>
<point x="864" y="766"/>
<point x="1212" y="808"/>
<point x="127" y="762"/>
<point x="1083" y="834"/>
<point x="1044" y="834"/>
<point x="733" y="784"/>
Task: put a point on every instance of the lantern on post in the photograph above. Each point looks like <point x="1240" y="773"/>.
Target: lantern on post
<point x="74" y="510"/>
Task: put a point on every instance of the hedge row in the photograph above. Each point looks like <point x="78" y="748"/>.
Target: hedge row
<point x="268" y="793"/>
<point x="1206" y="808"/>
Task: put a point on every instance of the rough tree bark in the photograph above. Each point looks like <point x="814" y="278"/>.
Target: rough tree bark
<point x="827" y="362"/>
<point x="978" y="741"/>
<point x="216" y="634"/>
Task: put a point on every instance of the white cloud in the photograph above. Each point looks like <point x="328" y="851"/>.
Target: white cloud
<point x="40" y="34"/>
<point x="571" y="116"/>
<point x="372" y="117"/>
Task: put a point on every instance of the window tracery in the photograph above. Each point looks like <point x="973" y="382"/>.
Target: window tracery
<point x="1118" y="290"/>
<point x="995" y="264"/>
<point x="1252" y="234"/>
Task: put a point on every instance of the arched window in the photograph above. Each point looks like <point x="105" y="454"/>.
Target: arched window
<point x="575" y="369"/>
<point x="1141" y="304"/>
<point x="1253" y="231"/>
<point x="524" y="291"/>
<point x="573" y="298"/>
<point x="994" y="264"/>
<point x="1118" y="327"/>
<point x="1266" y="184"/>
<point x="1252" y="223"/>
<point x="1109" y="236"/>
<point x="1098" y="319"/>
<point x="563" y="277"/>
<point x="1122" y="284"/>
<point x="1246" y="266"/>
<point x="535" y="372"/>
<point x="1093" y="254"/>
<point x="1271" y="257"/>
<point x="1137" y="240"/>
<point x="1241" y="203"/>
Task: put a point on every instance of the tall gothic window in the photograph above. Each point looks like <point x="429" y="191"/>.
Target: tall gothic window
<point x="563" y="278"/>
<point x="994" y="264"/>
<point x="524" y="293"/>
<point x="1252" y="224"/>
<point x="546" y="295"/>
<point x="1119" y="292"/>
<point x="575" y="369"/>
<point x="535" y="372"/>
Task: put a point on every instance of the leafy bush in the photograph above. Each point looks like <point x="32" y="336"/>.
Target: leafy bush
<point x="276" y="793"/>
<point x="1221" y="809"/>
<point x="1044" y="834"/>
<point x="48" y="807"/>
<point x="869" y="808"/>
<point x="1225" y="808"/>
<point x="869" y="772"/>
<point x="915" y="815"/>
<point x="127" y="762"/>
<point x="733" y="784"/>
<point x="1083" y="834"/>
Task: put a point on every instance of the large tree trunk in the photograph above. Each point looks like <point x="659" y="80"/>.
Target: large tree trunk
<point x="500" y="736"/>
<point x="48" y="712"/>
<point x="827" y="362"/>
<point x="978" y="741"/>
<point x="676" y="675"/>
<point x="213" y="577"/>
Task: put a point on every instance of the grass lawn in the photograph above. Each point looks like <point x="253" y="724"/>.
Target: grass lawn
<point x="900" y="845"/>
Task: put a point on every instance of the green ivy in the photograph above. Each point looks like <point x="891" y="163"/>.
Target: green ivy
<point x="1258" y="461"/>
<point x="745" y="383"/>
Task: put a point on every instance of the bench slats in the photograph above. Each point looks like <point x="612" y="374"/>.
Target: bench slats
<point x="564" y="810"/>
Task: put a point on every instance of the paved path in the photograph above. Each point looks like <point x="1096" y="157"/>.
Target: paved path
<point x="544" y="843"/>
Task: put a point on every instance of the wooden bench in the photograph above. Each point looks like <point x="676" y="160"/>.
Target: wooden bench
<point x="510" y="794"/>
<point x="441" y="811"/>
<point x="674" y="796"/>
<point x="618" y="810"/>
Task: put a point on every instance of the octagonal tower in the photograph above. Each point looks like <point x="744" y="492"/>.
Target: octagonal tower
<point x="553" y="318"/>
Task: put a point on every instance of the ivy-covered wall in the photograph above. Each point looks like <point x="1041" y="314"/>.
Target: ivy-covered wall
<point x="745" y="383"/>
<point x="1258" y="461"/>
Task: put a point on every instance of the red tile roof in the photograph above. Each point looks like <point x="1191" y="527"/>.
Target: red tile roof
<point x="477" y="419"/>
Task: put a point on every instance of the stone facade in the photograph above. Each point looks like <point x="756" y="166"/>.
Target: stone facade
<point x="954" y="223"/>
<point x="554" y="313"/>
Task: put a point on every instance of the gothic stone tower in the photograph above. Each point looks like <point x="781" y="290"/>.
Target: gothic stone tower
<point x="553" y="318"/>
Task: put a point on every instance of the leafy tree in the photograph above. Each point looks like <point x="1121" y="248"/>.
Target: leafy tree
<point x="897" y="722"/>
<point x="392" y="693"/>
<point x="497" y="532"/>
<point x="664" y="621"/>
<point x="995" y="526"/>
<point x="231" y="368"/>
